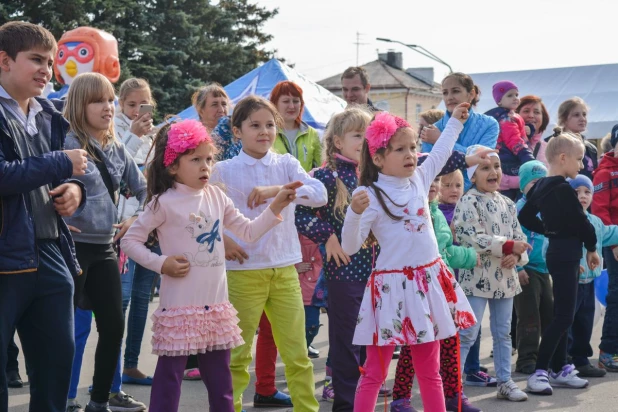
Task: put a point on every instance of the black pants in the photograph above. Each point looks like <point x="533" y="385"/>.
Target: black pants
<point x="563" y="264"/>
<point x="12" y="353"/>
<point x="581" y="331"/>
<point x="609" y="338"/>
<point x="100" y="285"/>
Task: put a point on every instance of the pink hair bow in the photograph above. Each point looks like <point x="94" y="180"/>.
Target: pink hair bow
<point x="382" y="129"/>
<point x="183" y="136"/>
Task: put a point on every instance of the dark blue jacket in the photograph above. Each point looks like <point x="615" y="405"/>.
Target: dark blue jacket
<point x="18" y="249"/>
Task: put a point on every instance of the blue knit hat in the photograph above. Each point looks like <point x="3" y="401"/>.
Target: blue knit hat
<point x="530" y="171"/>
<point x="581" y="180"/>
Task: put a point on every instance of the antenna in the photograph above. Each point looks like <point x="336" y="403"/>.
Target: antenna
<point x="358" y="44"/>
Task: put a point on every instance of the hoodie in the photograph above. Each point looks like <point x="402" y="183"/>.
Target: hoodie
<point x="605" y="200"/>
<point x="562" y="216"/>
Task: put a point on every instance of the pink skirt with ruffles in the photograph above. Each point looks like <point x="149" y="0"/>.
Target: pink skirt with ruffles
<point x="189" y="330"/>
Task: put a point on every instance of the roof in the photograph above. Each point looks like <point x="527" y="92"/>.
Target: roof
<point x="597" y="85"/>
<point x="383" y="76"/>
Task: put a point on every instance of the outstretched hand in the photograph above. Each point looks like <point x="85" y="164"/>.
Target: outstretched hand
<point x="480" y="158"/>
<point x="284" y="197"/>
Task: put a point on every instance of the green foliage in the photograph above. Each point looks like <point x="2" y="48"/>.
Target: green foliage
<point x="177" y="45"/>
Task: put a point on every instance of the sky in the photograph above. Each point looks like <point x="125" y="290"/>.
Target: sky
<point x="473" y="36"/>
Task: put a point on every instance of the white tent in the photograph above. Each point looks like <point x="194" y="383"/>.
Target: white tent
<point x="597" y="85"/>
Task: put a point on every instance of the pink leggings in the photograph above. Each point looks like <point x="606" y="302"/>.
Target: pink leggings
<point x="426" y="361"/>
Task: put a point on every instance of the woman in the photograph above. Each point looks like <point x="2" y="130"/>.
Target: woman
<point x="211" y="103"/>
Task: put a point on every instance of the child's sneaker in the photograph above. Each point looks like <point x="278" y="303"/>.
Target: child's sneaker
<point x="384" y="391"/>
<point x="567" y="378"/>
<point x="608" y="361"/>
<point x="328" y="394"/>
<point x="452" y="405"/>
<point x="329" y="374"/>
<point x="481" y="379"/>
<point x="509" y="390"/>
<point x="192" y="375"/>
<point x="590" y="371"/>
<point x="74" y="407"/>
<point x="402" y="405"/>
<point x="125" y="403"/>
<point x="538" y="383"/>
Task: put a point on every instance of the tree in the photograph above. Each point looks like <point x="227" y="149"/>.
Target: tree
<point x="177" y="45"/>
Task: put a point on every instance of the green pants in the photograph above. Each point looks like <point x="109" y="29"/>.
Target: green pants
<point x="276" y="292"/>
<point x="535" y="310"/>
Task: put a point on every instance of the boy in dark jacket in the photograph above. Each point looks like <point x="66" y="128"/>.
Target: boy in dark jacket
<point x="37" y="256"/>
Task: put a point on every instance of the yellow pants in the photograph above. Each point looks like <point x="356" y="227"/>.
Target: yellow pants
<point x="276" y="292"/>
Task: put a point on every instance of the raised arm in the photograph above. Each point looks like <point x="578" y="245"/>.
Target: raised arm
<point x="245" y="229"/>
<point x="441" y="151"/>
<point x="312" y="193"/>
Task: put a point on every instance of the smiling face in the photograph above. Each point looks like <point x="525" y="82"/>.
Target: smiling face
<point x="453" y="93"/>
<point x="257" y="133"/>
<point x="451" y="188"/>
<point x="354" y="91"/>
<point x="193" y="169"/>
<point x="289" y="107"/>
<point x="533" y="114"/>
<point x="400" y="158"/>
<point x="130" y="105"/>
<point x="27" y="75"/>
<point x="434" y="189"/>
<point x="577" y="121"/>
<point x="487" y="178"/>
<point x="350" y="144"/>
<point x="584" y="195"/>
<point x="510" y="100"/>
<point x="99" y="116"/>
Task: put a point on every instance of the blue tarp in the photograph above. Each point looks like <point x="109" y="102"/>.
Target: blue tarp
<point x="320" y="104"/>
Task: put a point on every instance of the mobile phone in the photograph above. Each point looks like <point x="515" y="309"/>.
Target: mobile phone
<point x="145" y="108"/>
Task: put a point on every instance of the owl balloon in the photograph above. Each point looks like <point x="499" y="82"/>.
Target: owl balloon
<point x="84" y="50"/>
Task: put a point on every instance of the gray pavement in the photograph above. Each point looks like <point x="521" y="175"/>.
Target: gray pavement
<point x="601" y="395"/>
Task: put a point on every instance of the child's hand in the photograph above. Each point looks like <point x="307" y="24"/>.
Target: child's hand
<point x="176" y="266"/>
<point x="142" y="125"/>
<point x="79" y="159"/>
<point x="524" y="279"/>
<point x="593" y="260"/>
<point x="615" y="252"/>
<point x="519" y="247"/>
<point x="260" y="194"/>
<point x="303" y="267"/>
<point x="124" y="226"/>
<point x="581" y="269"/>
<point x="480" y="158"/>
<point x="334" y="250"/>
<point x="360" y="202"/>
<point x="430" y="134"/>
<point x="461" y="112"/>
<point x="509" y="261"/>
<point x="233" y="251"/>
<point x="284" y="197"/>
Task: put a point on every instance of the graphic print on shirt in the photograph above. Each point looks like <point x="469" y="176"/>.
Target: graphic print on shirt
<point x="416" y="222"/>
<point x="205" y="231"/>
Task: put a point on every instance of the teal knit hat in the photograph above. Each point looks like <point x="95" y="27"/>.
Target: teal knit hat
<point x="530" y="171"/>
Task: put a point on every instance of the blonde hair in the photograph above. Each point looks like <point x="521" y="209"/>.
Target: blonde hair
<point x="606" y="143"/>
<point x="352" y="119"/>
<point x="567" y="106"/>
<point x="561" y="142"/>
<point x="88" y="88"/>
<point x="133" y="84"/>
<point x="432" y="116"/>
<point x="201" y="95"/>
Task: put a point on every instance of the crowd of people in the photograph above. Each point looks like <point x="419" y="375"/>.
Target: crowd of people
<point x="252" y="222"/>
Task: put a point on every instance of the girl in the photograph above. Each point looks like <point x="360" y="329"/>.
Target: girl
<point x="512" y="141"/>
<point x="346" y="276"/>
<point x="135" y="132"/>
<point x="478" y="129"/>
<point x="90" y="112"/>
<point x="194" y="314"/>
<point x="411" y="297"/>
<point x="495" y="282"/>
<point x="451" y="190"/>
<point x="268" y="281"/>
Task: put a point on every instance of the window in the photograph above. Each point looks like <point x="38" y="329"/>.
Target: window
<point x="419" y="109"/>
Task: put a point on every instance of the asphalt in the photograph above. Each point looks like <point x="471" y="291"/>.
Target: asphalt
<point x="601" y="395"/>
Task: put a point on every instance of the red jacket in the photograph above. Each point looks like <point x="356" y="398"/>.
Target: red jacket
<point x="605" y="180"/>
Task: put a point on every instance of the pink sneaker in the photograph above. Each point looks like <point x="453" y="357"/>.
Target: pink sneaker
<point x="192" y="375"/>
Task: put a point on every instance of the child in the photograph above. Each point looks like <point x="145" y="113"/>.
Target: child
<point x="411" y="297"/>
<point x="564" y="223"/>
<point x="451" y="190"/>
<point x="581" y="331"/>
<point x="512" y="141"/>
<point x="486" y="220"/>
<point x="268" y="281"/>
<point x="535" y="304"/>
<point x="346" y="276"/>
<point x="454" y="257"/>
<point x="188" y="215"/>
<point x="90" y="110"/>
<point x="605" y="206"/>
<point x="37" y="256"/>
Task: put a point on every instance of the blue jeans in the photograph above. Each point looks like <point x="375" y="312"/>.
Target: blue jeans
<point x="473" y="361"/>
<point x="609" y="338"/>
<point x="136" y="288"/>
<point x="500" y="314"/>
<point x="312" y="323"/>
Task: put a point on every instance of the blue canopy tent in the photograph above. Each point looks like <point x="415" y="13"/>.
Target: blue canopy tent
<point x="320" y="104"/>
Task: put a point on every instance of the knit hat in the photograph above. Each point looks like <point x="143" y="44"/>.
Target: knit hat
<point x="500" y="89"/>
<point x="530" y="171"/>
<point x="614" y="136"/>
<point x="473" y="150"/>
<point x="581" y="180"/>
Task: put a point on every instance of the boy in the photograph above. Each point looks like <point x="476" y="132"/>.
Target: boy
<point x="535" y="304"/>
<point x="566" y="226"/>
<point x="37" y="257"/>
<point x="581" y="331"/>
<point x="605" y="206"/>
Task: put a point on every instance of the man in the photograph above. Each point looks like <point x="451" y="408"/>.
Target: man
<point x="355" y="86"/>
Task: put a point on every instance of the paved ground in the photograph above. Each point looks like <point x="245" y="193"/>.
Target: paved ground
<point x="602" y="395"/>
